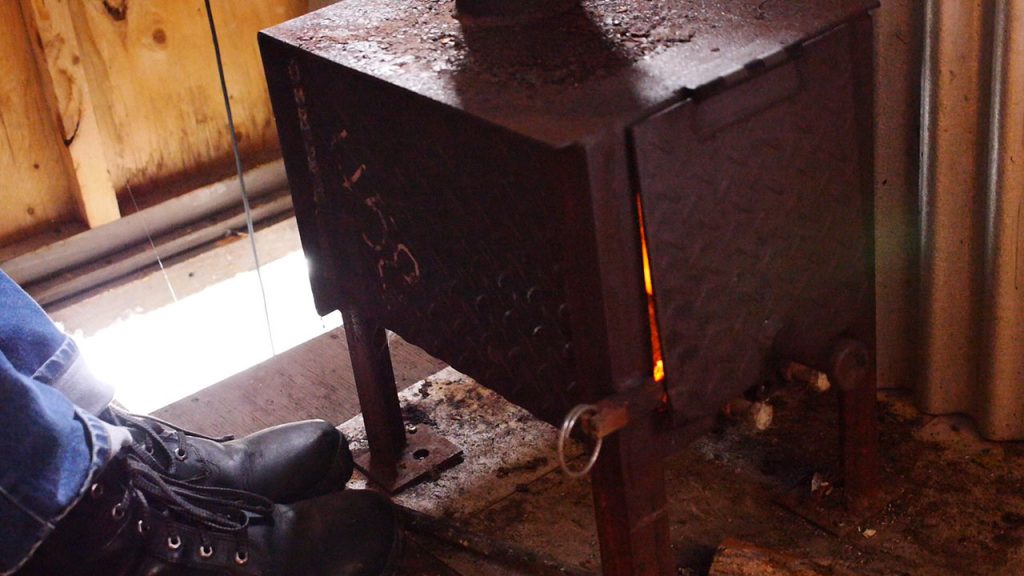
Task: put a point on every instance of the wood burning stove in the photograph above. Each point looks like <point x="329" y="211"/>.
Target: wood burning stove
<point x="635" y="205"/>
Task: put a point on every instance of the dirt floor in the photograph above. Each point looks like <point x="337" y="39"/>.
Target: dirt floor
<point x="954" y="504"/>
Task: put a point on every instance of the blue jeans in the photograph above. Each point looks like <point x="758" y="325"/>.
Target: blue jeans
<point x="51" y="443"/>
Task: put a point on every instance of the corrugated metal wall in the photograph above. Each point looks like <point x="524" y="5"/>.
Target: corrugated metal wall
<point x="951" y="315"/>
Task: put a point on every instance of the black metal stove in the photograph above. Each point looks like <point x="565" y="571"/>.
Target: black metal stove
<point x="498" y="195"/>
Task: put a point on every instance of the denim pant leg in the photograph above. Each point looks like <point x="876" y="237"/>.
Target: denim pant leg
<point x="50" y="448"/>
<point x="38" y="349"/>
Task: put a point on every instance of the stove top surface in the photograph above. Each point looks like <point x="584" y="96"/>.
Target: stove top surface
<point x="556" y="80"/>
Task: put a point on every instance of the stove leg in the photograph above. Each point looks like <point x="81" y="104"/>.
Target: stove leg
<point x="394" y="460"/>
<point x="629" y="503"/>
<point x="375" y="384"/>
<point x="853" y="372"/>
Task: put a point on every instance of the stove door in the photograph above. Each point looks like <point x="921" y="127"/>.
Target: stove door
<point x="759" y="222"/>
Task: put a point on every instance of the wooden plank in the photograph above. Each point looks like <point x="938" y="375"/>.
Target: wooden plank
<point x="738" y="558"/>
<point x="74" y="281"/>
<point x="59" y="59"/>
<point x="36" y="259"/>
<point x="153" y="79"/>
<point x="38" y="241"/>
<point x="35" y="185"/>
<point x="312" y="380"/>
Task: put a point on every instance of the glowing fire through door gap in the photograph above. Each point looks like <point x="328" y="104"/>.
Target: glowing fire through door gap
<point x="652" y="315"/>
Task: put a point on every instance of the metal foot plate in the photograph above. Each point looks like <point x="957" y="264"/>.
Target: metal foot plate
<point x="832" y="514"/>
<point x="425" y="453"/>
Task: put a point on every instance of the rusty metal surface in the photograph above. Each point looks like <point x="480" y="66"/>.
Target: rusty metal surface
<point x="476" y="194"/>
<point x="462" y="248"/>
<point x="853" y="370"/>
<point x="371" y="363"/>
<point x="507" y="12"/>
<point x="758" y="225"/>
<point x="503" y="446"/>
<point x="626" y="57"/>
<point x="455" y="245"/>
<point x="425" y="453"/>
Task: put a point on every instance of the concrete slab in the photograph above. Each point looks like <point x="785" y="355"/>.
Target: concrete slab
<point x="504" y="447"/>
<point x="956" y="502"/>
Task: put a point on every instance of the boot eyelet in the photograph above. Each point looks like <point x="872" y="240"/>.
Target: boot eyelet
<point x="174" y="542"/>
<point x="96" y="491"/>
<point x="181" y="454"/>
<point x="148" y="449"/>
<point x="142" y="527"/>
<point x="205" y="551"/>
<point x="241" y="557"/>
<point x="117" y="511"/>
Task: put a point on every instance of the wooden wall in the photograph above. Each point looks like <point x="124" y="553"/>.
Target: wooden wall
<point x="36" y="186"/>
<point x="103" y="94"/>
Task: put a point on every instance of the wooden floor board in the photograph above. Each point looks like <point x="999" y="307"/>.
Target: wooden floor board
<point x="312" y="380"/>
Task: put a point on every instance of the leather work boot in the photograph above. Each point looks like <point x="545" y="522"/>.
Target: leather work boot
<point x="284" y="463"/>
<point x="135" y="521"/>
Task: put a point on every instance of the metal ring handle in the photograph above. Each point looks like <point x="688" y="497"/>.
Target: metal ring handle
<point x="567" y="425"/>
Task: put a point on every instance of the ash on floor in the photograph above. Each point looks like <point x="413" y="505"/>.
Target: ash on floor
<point x="954" y="503"/>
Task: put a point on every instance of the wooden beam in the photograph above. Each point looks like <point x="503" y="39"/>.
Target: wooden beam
<point x="35" y="185"/>
<point x="153" y="78"/>
<point x="58" y="56"/>
<point x="32" y="260"/>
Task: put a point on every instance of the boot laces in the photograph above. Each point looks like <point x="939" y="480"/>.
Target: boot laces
<point x="155" y="433"/>
<point x="210" y="509"/>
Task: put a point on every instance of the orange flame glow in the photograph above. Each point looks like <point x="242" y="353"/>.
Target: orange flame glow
<point x="652" y="315"/>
